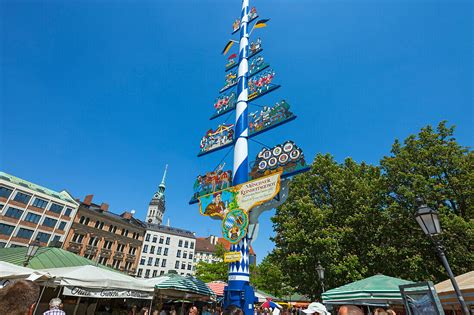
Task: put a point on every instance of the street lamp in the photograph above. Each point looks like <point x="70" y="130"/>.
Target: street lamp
<point x="428" y="220"/>
<point x="320" y="269"/>
<point x="31" y="251"/>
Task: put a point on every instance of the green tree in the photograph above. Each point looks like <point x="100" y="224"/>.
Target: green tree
<point x="218" y="270"/>
<point x="268" y="277"/>
<point x="357" y="219"/>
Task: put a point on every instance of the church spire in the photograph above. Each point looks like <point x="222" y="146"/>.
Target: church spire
<point x="164" y="177"/>
<point x="157" y="207"/>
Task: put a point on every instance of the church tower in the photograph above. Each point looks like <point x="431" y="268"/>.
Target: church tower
<point x="156" y="208"/>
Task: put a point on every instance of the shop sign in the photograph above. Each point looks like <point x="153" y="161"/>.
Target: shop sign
<point x="232" y="257"/>
<point x="107" y="293"/>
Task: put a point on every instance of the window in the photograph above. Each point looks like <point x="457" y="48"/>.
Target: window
<point x="176" y="265"/>
<point x="6" y="229"/>
<point x="93" y="241"/>
<point x="103" y="260"/>
<point x="77" y="238"/>
<point x="120" y="248"/>
<point x="13" y="213"/>
<point x="145" y="248"/>
<point x="154" y="239"/>
<point x="165" y="252"/>
<point x="154" y="273"/>
<point x="128" y="265"/>
<point x="152" y="250"/>
<point x="62" y="225"/>
<point x="185" y="254"/>
<point x="132" y="250"/>
<point x="150" y="261"/>
<point x="21" y="197"/>
<point x="2" y="244"/>
<point x="162" y="272"/>
<point x="24" y="233"/>
<point x="142" y="261"/>
<point x="56" y="208"/>
<point x="43" y="237"/>
<point x="147" y="273"/>
<point x="183" y="266"/>
<point x="56" y="238"/>
<point x="116" y="263"/>
<point x="168" y="241"/>
<point x="163" y="263"/>
<point x="108" y="244"/>
<point x="186" y="244"/>
<point x="161" y="239"/>
<point x="158" y="250"/>
<point x="84" y="220"/>
<point x="180" y="243"/>
<point x="139" y="274"/>
<point x="5" y="192"/>
<point x="40" y="203"/>
<point x="157" y="262"/>
<point x="99" y="225"/>
<point x="49" y="222"/>
<point x="178" y="253"/>
<point x="68" y="212"/>
<point x="190" y="255"/>
<point x="147" y="237"/>
<point x="190" y="267"/>
<point x="191" y="245"/>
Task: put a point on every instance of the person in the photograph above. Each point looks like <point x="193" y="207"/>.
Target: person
<point x="316" y="308"/>
<point x="19" y="298"/>
<point x="133" y="311"/>
<point x="55" y="307"/>
<point x="232" y="310"/>
<point x="205" y="310"/>
<point x="391" y="312"/>
<point x="193" y="310"/>
<point x="172" y="310"/>
<point x="380" y="311"/>
<point x="350" y="310"/>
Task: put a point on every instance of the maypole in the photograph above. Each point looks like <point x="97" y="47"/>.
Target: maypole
<point x="229" y="195"/>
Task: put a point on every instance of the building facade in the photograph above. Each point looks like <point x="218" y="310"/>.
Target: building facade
<point x="166" y="248"/>
<point x="31" y="212"/>
<point x="206" y="248"/>
<point x="105" y="237"/>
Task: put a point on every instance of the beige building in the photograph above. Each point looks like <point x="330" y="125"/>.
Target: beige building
<point x="31" y="212"/>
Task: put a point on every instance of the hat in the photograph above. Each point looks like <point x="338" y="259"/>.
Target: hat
<point x="316" y="307"/>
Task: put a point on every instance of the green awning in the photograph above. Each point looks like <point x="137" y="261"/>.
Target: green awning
<point x="184" y="287"/>
<point x="378" y="289"/>
<point x="46" y="258"/>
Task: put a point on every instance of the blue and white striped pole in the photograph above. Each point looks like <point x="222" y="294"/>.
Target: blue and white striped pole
<point x="239" y="292"/>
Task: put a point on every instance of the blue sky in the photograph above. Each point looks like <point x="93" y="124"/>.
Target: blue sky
<point x="97" y="96"/>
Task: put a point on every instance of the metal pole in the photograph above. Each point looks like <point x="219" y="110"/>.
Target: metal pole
<point x="444" y="260"/>
<point x="239" y="292"/>
<point x="39" y="299"/>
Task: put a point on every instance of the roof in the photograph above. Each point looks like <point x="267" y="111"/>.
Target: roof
<point x="465" y="282"/>
<point x="96" y="208"/>
<point x="168" y="230"/>
<point x="378" y="288"/>
<point x="46" y="257"/>
<point x="217" y="287"/>
<point x="203" y="244"/>
<point x="63" y="195"/>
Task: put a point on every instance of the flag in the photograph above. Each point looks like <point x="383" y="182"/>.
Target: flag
<point x="227" y="47"/>
<point x="232" y="56"/>
<point x="261" y="23"/>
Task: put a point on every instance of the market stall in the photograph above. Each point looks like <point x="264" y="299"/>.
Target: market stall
<point x="448" y="297"/>
<point x="376" y="291"/>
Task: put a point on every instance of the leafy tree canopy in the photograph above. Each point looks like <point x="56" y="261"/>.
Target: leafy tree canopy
<point x="358" y="219"/>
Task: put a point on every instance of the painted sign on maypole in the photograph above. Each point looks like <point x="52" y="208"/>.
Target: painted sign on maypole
<point x="239" y="204"/>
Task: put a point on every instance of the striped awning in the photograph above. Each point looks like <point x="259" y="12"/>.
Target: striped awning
<point x="447" y="295"/>
<point x="377" y="290"/>
<point x="185" y="287"/>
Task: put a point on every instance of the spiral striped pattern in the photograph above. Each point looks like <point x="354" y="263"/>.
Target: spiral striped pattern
<point x="239" y="271"/>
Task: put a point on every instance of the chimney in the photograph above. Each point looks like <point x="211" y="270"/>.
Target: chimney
<point x="88" y="200"/>
<point x="126" y="215"/>
<point x="104" y="206"/>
